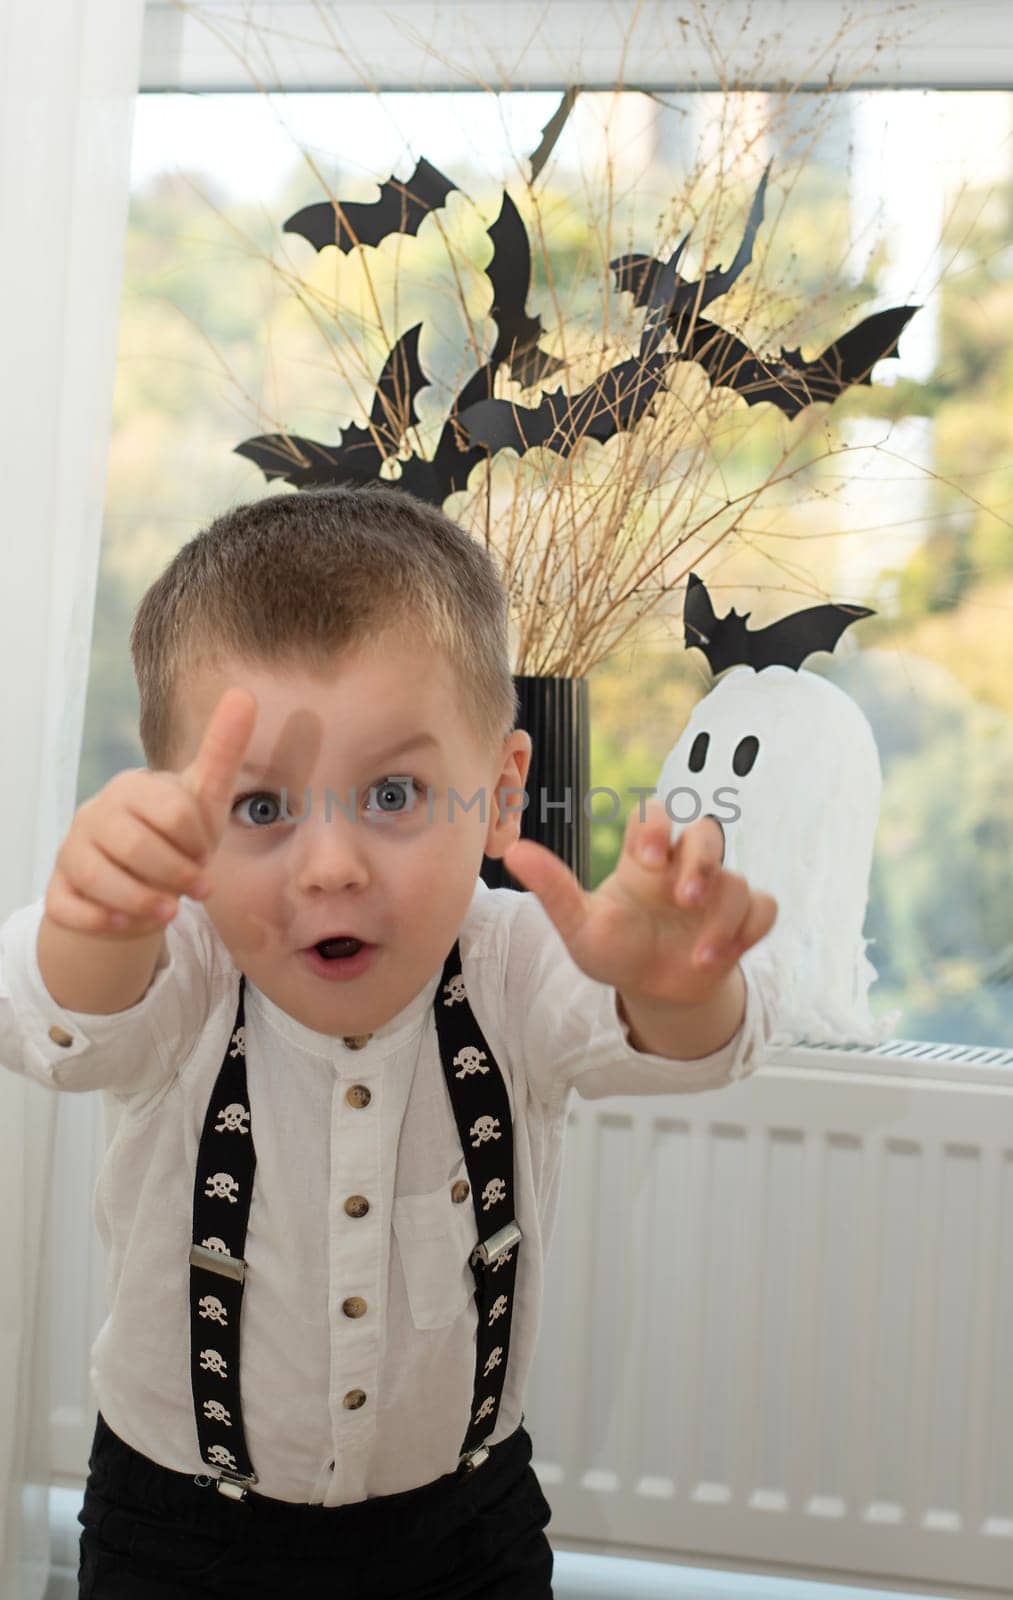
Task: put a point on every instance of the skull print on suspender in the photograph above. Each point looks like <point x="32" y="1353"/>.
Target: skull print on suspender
<point x="223" y="1189"/>
<point x="481" y="1107"/>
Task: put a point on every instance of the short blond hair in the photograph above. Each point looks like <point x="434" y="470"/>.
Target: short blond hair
<point x="302" y="578"/>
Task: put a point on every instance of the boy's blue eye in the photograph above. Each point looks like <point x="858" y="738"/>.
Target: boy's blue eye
<point x="261" y="796"/>
<point x="385" y="789"/>
<point x="388" y="786"/>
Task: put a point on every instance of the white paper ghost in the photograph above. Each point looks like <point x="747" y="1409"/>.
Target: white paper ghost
<point x="789" y="765"/>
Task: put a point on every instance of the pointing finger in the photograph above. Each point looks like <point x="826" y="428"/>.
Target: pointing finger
<point x="211" y="775"/>
<point x="559" y="890"/>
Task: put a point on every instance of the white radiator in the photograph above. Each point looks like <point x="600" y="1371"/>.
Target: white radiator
<point x="778" y="1329"/>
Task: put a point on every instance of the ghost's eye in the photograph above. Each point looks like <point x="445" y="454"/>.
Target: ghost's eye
<point x="698" y="754"/>
<point x="745" y="754"/>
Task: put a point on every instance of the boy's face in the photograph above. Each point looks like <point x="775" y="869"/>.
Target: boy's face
<point x="395" y="865"/>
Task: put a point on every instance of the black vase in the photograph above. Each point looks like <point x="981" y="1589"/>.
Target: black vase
<point x="556" y="714"/>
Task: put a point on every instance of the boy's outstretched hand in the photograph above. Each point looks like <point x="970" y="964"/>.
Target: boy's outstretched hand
<point x="647" y="928"/>
<point x="146" y="838"/>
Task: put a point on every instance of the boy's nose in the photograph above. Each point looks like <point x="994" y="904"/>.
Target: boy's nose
<point x="330" y="851"/>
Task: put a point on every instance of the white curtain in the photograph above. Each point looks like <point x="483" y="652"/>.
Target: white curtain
<point x="69" y="72"/>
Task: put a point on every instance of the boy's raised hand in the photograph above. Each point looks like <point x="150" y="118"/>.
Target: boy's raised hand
<point x="642" y="931"/>
<point x="147" y="837"/>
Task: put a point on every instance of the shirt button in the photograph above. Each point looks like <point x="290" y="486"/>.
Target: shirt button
<point x="358" y="1096"/>
<point x="354" y="1306"/>
<point x="356" y="1041"/>
<point x="60" y="1035"/>
<point x="460" y="1191"/>
<point x="354" y="1399"/>
<point x="356" y="1205"/>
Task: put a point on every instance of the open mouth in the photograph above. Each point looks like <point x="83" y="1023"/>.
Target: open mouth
<point x="341" y="956"/>
<point x="339" y="948"/>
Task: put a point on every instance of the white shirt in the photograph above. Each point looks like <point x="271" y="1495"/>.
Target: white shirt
<point x="551" y="1028"/>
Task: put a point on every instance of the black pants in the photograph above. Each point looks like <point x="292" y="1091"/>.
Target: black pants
<point x="154" y="1534"/>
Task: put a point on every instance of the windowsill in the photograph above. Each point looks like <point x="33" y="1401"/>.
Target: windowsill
<point x="920" y="1059"/>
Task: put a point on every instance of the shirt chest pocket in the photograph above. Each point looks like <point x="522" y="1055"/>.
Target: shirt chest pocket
<point x="435" y="1238"/>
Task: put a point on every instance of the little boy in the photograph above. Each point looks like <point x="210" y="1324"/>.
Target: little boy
<point x="343" y="1061"/>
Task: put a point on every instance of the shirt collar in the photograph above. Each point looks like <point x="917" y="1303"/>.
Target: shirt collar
<point x="395" y="1032"/>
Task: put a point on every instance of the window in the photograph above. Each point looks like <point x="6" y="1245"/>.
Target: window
<point x="902" y="197"/>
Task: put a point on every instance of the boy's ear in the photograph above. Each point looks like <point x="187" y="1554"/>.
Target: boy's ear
<point x="507" y="805"/>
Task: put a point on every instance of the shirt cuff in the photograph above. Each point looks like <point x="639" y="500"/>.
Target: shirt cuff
<point x="77" y="1050"/>
<point x="617" y="1067"/>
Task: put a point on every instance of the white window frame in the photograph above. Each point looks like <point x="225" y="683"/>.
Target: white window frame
<point x="317" y="45"/>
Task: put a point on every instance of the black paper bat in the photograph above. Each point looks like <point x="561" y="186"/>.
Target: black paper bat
<point x="788" y="380"/>
<point x="357" y="457"/>
<point x="552" y="129"/>
<point x="637" y="273"/>
<point x="615" y="401"/>
<point x="509" y="272"/>
<point x="402" y="206"/>
<point x="727" y="642"/>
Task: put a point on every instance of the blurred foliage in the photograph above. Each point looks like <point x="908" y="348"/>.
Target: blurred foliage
<point x="214" y="346"/>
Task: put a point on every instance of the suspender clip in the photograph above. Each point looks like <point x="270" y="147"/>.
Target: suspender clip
<point x="232" y="1484"/>
<point x="474" y="1459"/>
<point x="218" y="1261"/>
<point x="498" y="1244"/>
<point x="235" y="1486"/>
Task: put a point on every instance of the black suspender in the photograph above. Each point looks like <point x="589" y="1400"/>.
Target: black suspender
<point x="484" y="1123"/>
<point x="222" y="1192"/>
